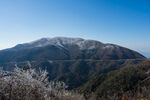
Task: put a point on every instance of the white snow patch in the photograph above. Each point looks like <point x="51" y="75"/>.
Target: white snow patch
<point x="62" y="41"/>
<point x="108" y="47"/>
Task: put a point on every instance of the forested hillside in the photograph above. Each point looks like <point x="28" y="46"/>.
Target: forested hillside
<point x="132" y="82"/>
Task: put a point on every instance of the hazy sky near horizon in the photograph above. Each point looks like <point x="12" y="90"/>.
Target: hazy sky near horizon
<point x="122" y="22"/>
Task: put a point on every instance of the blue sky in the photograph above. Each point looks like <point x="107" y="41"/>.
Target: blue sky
<point x="122" y="22"/>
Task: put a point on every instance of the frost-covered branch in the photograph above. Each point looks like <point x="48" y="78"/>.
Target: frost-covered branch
<point x="32" y="85"/>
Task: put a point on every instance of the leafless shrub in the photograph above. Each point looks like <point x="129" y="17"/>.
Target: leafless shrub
<point x="32" y="85"/>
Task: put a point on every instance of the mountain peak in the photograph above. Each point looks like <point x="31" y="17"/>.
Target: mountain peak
<point x="61" y="42"/>
<point x="78" y="48"/>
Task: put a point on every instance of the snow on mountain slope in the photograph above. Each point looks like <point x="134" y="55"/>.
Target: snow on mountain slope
<point x="62" y="48"/>
<point x="61" y="42"/>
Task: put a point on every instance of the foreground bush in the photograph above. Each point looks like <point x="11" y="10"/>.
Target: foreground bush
<point x="31" y="85"/>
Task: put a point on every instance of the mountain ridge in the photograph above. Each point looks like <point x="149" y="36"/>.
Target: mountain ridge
<point x="57" y="39"/>
<point x="70" y="58"/>
<point x="66" y="43"/>
<point x="132" y="81"/>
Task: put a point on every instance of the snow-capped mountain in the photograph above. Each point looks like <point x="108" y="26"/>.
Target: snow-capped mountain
<point x="62" y="42"/>
<point x="67" y="58"/>
<point x="63" y="48"/>
<point x="82" y="44"/>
